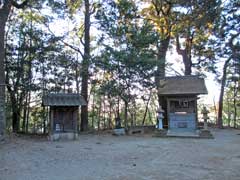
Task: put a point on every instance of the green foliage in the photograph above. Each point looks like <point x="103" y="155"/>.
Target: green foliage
<point x="132" y="41"/>
<point x="160" y="14"/>
<point x="195" y="25"/>
<point x="231" y="110"/>
<point x="36" y="63"/>
<point x="73" y="5"/>
<point x="226" y="39"/>
<point x="128" y="56"/>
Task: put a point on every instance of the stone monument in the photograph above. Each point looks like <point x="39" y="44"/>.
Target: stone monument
<point x="160" y="132"/>
<point x="205" y="132"/>
<point x="160" y="117"/>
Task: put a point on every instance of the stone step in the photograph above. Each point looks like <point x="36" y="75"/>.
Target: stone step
<point x="187" y="134"/>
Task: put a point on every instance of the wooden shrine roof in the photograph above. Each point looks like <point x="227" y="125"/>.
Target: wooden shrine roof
<point x="63" y="99"/>
<point x="182" y="85"/>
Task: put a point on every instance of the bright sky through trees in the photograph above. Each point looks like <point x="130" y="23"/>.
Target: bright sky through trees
<point x="61" y="27"/>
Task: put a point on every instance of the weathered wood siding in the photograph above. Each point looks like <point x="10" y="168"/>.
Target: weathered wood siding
<point x="64" y="119"/>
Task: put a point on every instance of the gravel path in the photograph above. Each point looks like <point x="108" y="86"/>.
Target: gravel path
<point x="127" y="157"/>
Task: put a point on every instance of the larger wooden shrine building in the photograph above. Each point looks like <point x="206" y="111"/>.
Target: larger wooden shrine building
<point x="63" y="114"/>
<point x="179" y="95"/>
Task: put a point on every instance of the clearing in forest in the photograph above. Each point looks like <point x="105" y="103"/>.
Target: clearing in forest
<point x="123" y="157"/>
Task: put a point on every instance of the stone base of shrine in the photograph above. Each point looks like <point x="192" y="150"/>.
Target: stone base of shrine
<point x="63" y="136"/>
<point x="205" y="133"/>
<point x="1" y="138"/>
<point x="160" y="133"/>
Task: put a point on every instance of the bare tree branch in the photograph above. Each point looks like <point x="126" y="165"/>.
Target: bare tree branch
<point x="178" y="46"/>
<point x="65" y="43"/>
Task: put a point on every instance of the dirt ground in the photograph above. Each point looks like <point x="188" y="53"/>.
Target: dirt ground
<point x="125" y="157"/>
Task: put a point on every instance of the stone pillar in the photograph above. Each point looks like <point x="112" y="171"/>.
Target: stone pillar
<point x="160" y="117"/>
<point x="205" y="117"/>
<point x="159" y="131"/>
<point x="205" y="133"/>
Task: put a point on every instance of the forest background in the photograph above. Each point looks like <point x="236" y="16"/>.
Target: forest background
<point x="114" y="53"/>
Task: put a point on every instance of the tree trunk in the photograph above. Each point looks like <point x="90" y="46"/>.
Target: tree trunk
<point x="27" y="120"/>
<point x="229" y="114"/>
<point x="215" y="109"/>
<point x="186" y="55"/>
<point x="163" y="11"/>
<point x="135" y="114"/>
<point x="44" y="120"/>
<point x="76" y="79"/>
<point x="126" y="114"/>
<point x="104" y="113"/>
<point x="220" y="105"/>
<point x="24" y="114"/>
<point x="146" y="109"/>
<point x="4" y="12"/>
<point x="162" y="51"/>
<point x="132" y="119"/>
<point x="15" y="120"/>
<point x="161" y="57"/>
<point x="150" y="117"/>
<point x="110" y="114"/>
<point x="15" y="107"/>
<point x="15" y="112"/>
<point x="85" y="66"/>
<point x="187" y="63"/>
<point x="93" y="109"/>
<point x="235" y="104"/>
<point x="99" y="114"/>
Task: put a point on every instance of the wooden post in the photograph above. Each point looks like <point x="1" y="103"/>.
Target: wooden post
<point x="51" y="120"/>
<point x="76" y="119"/>
<point x="48" y="119"/>
<point x="2" y="110"/>
<point x="196" y="111"/>
<point x="168" y="111"/>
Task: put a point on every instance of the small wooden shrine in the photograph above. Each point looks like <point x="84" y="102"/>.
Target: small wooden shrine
<point x="179" y="96"/>
<point x="63" y="114"/>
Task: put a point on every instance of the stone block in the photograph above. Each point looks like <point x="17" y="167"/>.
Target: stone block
<point x="119" y="132"/>
<point x="63" y="136"/>
<point x="160" y="133"/>
<point x="205" y="133"/>
<point x="135" y="130"/>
